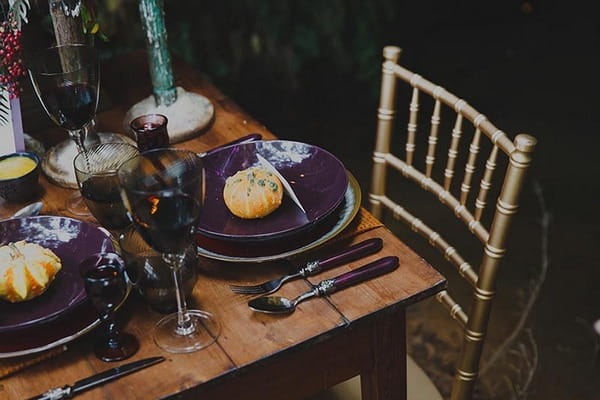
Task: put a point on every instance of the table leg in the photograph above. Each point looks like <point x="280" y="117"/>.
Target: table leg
<point x="387" y="378"/>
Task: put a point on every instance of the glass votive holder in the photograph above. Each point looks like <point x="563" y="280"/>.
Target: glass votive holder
<point x="151" y="275"/>
<point x="150" y="131"/>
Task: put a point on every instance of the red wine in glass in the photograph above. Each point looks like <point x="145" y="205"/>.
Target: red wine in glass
<point x="167" y="223"/>
<point x="103" y="198"/>
<point x="70" y="105"/>
<point x="106" y="286"/>
<point x="150" y="131"/>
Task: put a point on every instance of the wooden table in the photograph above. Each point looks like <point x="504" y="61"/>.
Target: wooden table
<point x="360" y="330"/>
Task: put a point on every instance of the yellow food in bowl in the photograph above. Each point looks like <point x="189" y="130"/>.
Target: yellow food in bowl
<point x="14" y="167"/>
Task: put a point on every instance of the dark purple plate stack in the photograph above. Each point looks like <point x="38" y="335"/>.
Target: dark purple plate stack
<point x="328" y="193"/>
<point x="62" y="313"/>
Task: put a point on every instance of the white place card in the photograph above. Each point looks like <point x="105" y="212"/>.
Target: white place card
<point x="11" y="126"/>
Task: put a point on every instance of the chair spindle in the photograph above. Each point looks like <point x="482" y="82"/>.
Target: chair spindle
<point x="453" y="150"/>
<point x="412" y="125"/>
<point x="486" y="183"/>
<point x="465" y="188"/>
<point x="433" y="136"/>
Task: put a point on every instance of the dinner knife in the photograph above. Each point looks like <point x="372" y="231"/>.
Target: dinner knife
<point x="68" y="391"/>
<point x="286" y="185"/>
<point x="252" y="137"/>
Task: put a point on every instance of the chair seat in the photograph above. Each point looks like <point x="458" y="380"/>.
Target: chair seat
<point x="419" y="387"/>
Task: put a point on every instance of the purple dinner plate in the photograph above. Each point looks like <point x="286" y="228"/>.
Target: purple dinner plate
<point x="71" y="240"/>
<point x="287" y="247"/>
<point x="317" y="177"/>
<point x="33" y="339"/>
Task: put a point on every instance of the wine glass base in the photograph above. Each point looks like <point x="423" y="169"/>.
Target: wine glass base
<point x="205" y="331"/>
<point x="127" y="345"/>
<point x="76" y="205"/>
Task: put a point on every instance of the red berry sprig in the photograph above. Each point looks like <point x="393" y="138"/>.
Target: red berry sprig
<point x="11" y="64"/>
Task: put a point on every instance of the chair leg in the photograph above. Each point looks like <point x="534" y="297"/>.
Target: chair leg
<point x="387" y="378"/>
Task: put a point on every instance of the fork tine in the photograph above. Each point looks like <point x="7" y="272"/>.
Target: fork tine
<point x="249" y="293"/>
<point x="246" y="289"/>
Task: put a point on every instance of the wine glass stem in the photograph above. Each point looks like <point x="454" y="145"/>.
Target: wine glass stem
<point x="78" y="136"/>
<point x="185" y="325"/>
<point x="86" y="135"/>
<point x="113" y="331"/>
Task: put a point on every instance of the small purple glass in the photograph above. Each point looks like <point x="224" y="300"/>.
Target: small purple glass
<point x="150" y="131"/>
<point x="106" y="286"/>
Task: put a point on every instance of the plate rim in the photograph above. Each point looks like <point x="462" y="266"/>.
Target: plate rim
<point x="57" y="314"/>
<point x="66" y="339"/>
<point x="282" y="233"/>
<point x="353" y="185"/>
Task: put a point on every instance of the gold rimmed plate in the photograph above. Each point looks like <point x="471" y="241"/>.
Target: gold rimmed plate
<point x="273" y="250"/>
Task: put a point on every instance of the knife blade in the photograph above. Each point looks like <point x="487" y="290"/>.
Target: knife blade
<point x="82" y="385"/>
<point x="252" y="137"/>
<point x="286" y="185"/>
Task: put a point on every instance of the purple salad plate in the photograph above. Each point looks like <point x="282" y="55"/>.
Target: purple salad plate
<point x="317" y="177"/>
<point x="71" y="240"/>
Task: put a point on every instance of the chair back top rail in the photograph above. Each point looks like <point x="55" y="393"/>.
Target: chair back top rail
<point x="498" y="137"/>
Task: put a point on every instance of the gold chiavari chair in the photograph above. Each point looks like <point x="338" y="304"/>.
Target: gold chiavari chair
<point x="493" y="239"/>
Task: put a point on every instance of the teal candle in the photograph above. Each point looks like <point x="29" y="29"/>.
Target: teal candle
<point x="153" y="20"/>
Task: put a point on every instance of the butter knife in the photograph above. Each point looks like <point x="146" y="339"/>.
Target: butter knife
<point x="68" y="391"/>
<point x="286" y="185"/>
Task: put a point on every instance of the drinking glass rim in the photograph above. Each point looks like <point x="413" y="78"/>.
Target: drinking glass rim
<point x="108" y="172"/>
<point x="146" y="116"/>
<point x="81" y="45"/>
<point x="112" y="259"/>
<point x="161" y="191"/>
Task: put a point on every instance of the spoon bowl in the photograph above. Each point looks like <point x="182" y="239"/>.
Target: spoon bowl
<point x="278" y="305"/>
<point x="29" y="210"/>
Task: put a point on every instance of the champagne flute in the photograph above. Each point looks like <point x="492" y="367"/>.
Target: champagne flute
<point x="66" y="80"/>
<point x="163" y="190"/>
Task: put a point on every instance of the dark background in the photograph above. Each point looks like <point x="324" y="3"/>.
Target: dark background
<point x="309" y="70"/>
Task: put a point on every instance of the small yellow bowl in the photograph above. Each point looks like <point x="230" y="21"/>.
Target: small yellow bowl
<point x="21" y="184"/>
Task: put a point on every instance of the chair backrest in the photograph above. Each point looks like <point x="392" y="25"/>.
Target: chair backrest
<point x="493" y="239"/>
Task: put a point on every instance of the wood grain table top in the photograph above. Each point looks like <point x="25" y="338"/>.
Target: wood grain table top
<point x="248" y="340"/>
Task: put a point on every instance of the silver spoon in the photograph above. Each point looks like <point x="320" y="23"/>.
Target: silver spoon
<point x="29" y="210"/>
<point x="276" y="304"/>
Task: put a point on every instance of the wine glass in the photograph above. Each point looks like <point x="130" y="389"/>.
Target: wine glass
<point x="66" y="80"/>
<point x="163" y="190"/>
<point x="96" y="172"/>
<point x="106" y="286"/>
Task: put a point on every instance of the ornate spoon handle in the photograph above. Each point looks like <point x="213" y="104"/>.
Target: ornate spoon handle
<point x="371" y="270"/>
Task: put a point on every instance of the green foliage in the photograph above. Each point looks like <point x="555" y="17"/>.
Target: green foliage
<point x="280" y="40"/>
<point x="19" y="9"/>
